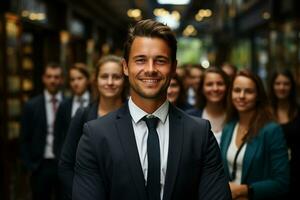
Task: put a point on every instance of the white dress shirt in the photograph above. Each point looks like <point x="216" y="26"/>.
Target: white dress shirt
<point x="232" y="149"/>
<point x="216" y="123"/>
<point x="50" y="116"/>
<point x="85" y="98"/>
<point x="141" y="136"/>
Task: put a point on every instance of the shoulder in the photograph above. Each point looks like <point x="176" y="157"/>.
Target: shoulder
<point x="66" y="101"/>
<point x="271" y="133"/>
<point x="191" y="120"/>
<point x="102" y="122"/>
<point x="195" y="112"/>
<point x="270" y="128"/>
<point x="34" y="101"/>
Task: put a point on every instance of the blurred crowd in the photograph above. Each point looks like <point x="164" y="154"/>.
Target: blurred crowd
<point x="255" y="124"/>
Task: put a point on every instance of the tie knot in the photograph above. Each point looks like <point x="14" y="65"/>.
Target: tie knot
<point x="53" y="100"/>
<point x="151" y="122"/>
<point x="80" y="99"/>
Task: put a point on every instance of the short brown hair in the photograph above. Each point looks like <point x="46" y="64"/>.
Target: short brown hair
<point x="152" y="29"/>
<point x="53" y="65"/>
<point x="82" y="68"/>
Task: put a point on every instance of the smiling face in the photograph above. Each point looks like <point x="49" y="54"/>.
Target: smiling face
<point x="149" y="69"/>
<point x="244" y="94"/>
<point x="78" y="82"/>
<point x="282" y="87"/>
<point x="214" y="87"/>
<point x="110" y="80"/>
<point x="173" y="91"/>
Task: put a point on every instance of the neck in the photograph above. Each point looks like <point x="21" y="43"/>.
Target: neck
<point x="214" y="109"/>
<point x="107" y="105"/>
<point x="52" y="93"/>
<point x="244" y="118"/>
<point x="148" y="105"/>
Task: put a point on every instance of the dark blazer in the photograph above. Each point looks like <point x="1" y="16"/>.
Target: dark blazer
<point x="62" y="122"/>
<point x="265" y="163"/>
<point x="67" y="158"/>
<point x="34" y="132"/>
<point x="197" y="112"/>
<point x="108" y="164"/>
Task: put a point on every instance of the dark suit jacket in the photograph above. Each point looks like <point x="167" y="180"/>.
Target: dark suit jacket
<point x="62" y="121"/>
<point x="68" y="154"/>
<point x="34" y="132"/>
<point x="265" y="163"/>
<point x="108" y="164"/>
<point x="195" y="112"/>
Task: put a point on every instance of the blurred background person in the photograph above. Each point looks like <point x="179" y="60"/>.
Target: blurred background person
<point x="283" y="96"/>
<point x="192" y="79"/>
<point x="211" y="99"/>
<point x="176" y="94"/>
<point x="38" y="151"/>
<point x="229" y="69"/>
<point x="79" y="85"/>
<point x="252" y="144"/>
<point x="181" y="72"/>
<point x="111" y="85"/>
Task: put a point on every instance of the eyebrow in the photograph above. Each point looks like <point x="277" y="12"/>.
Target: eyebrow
<point x="156" y="57"/>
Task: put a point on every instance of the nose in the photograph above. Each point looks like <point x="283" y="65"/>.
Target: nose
<point x="150" y="66"/>
<point x="242" y="94"/>
<point x="110" y="80"/>
<point x="215" y="87"/>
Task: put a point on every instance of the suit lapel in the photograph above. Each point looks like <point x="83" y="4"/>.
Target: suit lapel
<point x="43" y="114"/>
<point x="93" y="112"/>
<point x="126" y="134"/>
<point x="69" y="109"/>
<point x="226" y="140"/>
<point x="175" y="148"/>
<point x="251" y="148"/>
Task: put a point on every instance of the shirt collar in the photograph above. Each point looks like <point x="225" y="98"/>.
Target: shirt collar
<point x="85" y="96"/>
<point x="137" y="113"/>
<point x="48" y="96"/>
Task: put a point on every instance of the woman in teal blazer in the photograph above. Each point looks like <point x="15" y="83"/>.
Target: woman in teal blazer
<point x="252" y="145"/>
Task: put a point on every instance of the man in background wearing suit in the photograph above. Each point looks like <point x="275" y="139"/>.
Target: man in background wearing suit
<point x="37" y="138"/>
<point x="149" y="149"/>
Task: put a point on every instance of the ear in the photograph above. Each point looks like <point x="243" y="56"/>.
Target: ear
<point x="125" y="67"/>
<point x="174" y="66"/>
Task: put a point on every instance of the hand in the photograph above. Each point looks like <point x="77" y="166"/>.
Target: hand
<point x="238" y="191"/>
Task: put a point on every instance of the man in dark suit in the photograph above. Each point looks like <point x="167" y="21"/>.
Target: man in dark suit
<point x="149" y="149"/>
<point x="38" y="151"/>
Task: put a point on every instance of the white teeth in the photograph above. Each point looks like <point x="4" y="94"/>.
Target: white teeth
<point x="150" y="81"/>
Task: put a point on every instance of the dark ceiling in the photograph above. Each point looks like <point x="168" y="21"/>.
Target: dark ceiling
<point x="113" y="13"/>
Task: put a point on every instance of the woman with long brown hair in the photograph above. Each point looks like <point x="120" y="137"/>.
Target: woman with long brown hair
<point x="252" y="144"/>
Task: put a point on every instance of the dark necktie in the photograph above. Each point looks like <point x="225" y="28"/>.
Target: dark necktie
<point x="81" y="102"/>
<point x="153" y="152"/>
<point x="54" y="103"/>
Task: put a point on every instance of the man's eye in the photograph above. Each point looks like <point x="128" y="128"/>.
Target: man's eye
<point x="161" y="62"/>
<point x="140" y="61"/>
